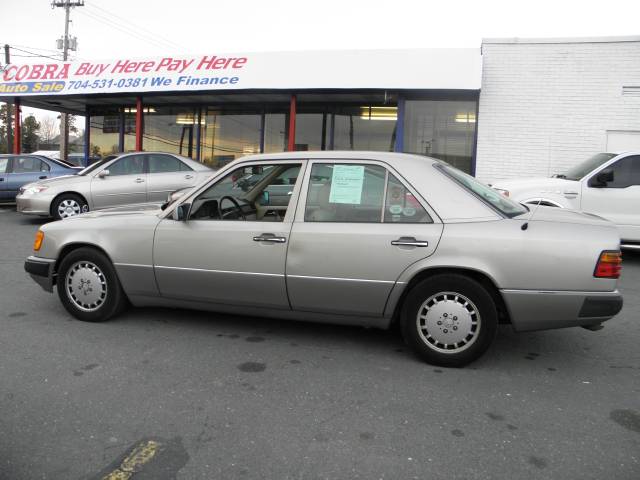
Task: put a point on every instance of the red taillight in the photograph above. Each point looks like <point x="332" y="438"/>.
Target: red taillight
<point x="609" y="265"/>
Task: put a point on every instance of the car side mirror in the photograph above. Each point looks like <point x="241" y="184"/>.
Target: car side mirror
<point x="181" y="212"/>
<point x="103" y="174"/>
<point x="602" y="178"/>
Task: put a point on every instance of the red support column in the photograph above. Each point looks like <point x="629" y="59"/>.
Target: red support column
<point x="139" y="124"/>
<point x="17" y="127"/>
<point x="292" y="125"/>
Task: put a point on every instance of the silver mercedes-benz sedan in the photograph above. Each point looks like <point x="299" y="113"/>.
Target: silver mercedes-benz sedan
<point x="130" y="178"/>
<point x="359" y="238"/>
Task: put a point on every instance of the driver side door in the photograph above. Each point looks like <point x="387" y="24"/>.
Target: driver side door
<point x="617" y="201"/>
<point x="224" y="256"/>
<point x="126" y="183"/>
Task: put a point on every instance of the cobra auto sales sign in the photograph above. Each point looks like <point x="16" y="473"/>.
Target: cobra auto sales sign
<point x="389" y="69"/>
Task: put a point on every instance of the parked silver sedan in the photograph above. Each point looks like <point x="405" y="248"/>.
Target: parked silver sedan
<point x="345" y="237"/>
<point x="128" y="179"/>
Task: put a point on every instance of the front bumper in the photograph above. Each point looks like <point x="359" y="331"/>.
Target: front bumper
<point x="41" y="270"/>
<point x="34" y="205"/>
<point x="544" y="310"/>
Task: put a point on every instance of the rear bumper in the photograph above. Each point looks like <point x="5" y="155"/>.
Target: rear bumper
<point x="41" y="270"/>
<point x="543" y="310"/>
<point x="31" y="205"/>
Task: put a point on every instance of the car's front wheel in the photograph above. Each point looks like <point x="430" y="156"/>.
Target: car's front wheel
<point x="449" y="319"/>
<point x="68" y="205"/>
<point x="88" y="286"/>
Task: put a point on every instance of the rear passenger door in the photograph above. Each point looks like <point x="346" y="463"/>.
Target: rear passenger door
<point x="358" y="225"/>
<point x="166" y="174"/>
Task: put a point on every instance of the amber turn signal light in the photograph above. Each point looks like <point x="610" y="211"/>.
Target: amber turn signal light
<point x="37" y="243"/>
<point x="609" y="265"/>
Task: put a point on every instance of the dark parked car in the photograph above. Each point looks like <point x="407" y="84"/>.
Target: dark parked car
<point x="18" y="170"/>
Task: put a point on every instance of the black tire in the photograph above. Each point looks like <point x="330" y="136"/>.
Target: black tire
<point x="105" y="296"/>
<point x="77" y="205"/>
<point x="471" y="334"/>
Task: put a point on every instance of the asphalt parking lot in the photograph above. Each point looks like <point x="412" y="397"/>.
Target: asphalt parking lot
<point x="164" y="394"/>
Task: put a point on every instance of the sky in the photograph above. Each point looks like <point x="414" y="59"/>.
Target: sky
<point x="107" y="28"/>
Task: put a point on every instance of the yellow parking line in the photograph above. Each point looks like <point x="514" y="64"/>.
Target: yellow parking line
<point x="133" y="462"/>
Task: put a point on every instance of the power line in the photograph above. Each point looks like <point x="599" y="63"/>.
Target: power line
<point x="114" y="25"/>
<point x="138" y="27"/>
<point x="33" y="53"/>
<point x="36" y="48"/>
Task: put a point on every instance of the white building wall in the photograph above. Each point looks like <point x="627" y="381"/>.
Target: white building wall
<point x="546" y="105"/>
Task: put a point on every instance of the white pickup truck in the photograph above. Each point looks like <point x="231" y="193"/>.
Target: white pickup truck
<point x="607" y="184"/>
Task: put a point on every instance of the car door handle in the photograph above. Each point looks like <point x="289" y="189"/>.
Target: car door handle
<point x="269" y="237"/>
<point x="409" y="242"/>
<point x="188" y="176"/>
<point x="569" y="193"/>
<point x="139" y="180"/>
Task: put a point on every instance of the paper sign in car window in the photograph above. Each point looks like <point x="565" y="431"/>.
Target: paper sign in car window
<point x="346" y="184"/>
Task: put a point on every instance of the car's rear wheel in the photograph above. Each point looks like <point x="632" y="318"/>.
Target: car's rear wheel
<point x="68" y="205"/>
<point x="449" y="319"/>
<point x="88" y="286"/>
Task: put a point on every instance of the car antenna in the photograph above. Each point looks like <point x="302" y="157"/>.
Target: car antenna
<point x="525" y="225"/>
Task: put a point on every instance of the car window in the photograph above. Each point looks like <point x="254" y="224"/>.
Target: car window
<point x="4" y="163"/>
<point x="345" y="193"/>
<point x="401" y="206"/>
<point x="165" y="163"/>
<point x="254" y="193"/>
<point x="488" y="195"/>
<point x="626" y="172"/>
<point x="130" y="165"/>
<point x="29" y="165"/>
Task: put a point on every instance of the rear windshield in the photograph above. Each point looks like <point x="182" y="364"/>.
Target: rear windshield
<point x="495" y="199"/>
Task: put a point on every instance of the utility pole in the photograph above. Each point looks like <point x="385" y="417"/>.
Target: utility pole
<point x="64" y="117"/>
<point x="7" y="61"/>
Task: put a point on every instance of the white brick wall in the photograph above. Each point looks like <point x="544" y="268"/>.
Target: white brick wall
<point x="547" y="106"/>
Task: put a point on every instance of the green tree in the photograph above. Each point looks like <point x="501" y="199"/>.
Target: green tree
<point x="3" y="129"/>
<point x="30" y="136"/>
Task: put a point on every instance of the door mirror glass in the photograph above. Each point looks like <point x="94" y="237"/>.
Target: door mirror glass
<point x="602" y="178"/>
<point x="103" y="173"/>
<point x="181" y="212"/>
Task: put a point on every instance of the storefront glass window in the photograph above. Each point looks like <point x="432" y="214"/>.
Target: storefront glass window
<point x="275" y="132"/>
<point x="441" y="129"/>
<point x="364" y="128"/>
<point x="104" y="134"/>
<point x="309" y="131"/>
<point x="227" y="135"/>
<point x="169" y="130"/>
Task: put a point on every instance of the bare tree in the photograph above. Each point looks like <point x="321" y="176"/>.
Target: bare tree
<point x="48" y="129"/>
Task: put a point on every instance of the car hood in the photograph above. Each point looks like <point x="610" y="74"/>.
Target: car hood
<point x="562" y="215"/>
<point x="144" y="209"/>
<point x="533" y="183"/>
<point x="61" y="180"/>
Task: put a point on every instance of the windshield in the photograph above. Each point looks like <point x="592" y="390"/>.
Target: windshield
<point x="579" y="171"/>
<point x="487" y="194"/>
<point x="94" y="166"/>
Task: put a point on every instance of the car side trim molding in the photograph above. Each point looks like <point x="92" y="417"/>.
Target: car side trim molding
<point x="343" y="279"/>
<point x="557" y="292"/>
<point x="220" y="271"/>
<point x="132" y="265"/>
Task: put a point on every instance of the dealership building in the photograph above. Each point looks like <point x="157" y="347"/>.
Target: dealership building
<point x="514" y="107"/>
